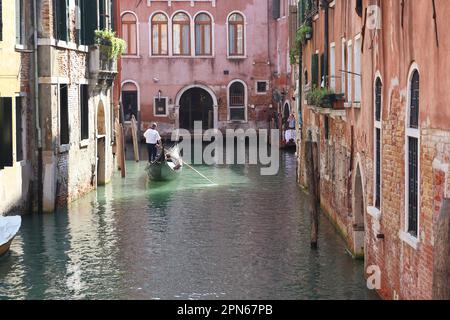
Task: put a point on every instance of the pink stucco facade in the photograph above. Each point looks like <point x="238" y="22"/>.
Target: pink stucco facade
<point x="170" y="77"/>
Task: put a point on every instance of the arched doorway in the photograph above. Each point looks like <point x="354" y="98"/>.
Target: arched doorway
<point x="101" y="144"/>
<point x="196" y="104"/>
<point x="286" y="110"/>
<point x="358" y="214"/>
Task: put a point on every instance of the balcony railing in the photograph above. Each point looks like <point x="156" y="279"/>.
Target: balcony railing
<point x="101" y="67"/>
<point x="311" y="9"/>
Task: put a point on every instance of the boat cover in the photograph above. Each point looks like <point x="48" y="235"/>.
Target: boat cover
<point x="9" y="226"/>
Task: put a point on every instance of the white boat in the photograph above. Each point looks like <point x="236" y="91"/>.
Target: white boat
<point x="9" y="227"/>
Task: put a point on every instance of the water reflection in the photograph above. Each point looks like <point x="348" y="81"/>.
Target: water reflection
<point x="245" y="237"/>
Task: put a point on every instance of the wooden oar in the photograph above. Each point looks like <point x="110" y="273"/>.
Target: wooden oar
<point x="202" y="175"/>
<point x="196" y="171"/>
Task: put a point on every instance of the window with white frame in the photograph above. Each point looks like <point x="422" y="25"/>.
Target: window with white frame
<point x="181" y="31"/>
<point x="358" y="69"/>
<point x="412" y="156"/>
<point x="203" y="35"/>
<point x="236" y="35"/>
<point x="129" y="33"/>
<point x="237" y="97"/>
<point x="160" y="106"/>
<point x="377" y="151"/>
<point x="349" y="72"/>
<point x="333" y="67"/>
<point x="160" y="39"/>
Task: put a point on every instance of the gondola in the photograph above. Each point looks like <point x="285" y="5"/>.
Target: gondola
<point x="167" y="167"/>
<point x="9" y="227"/>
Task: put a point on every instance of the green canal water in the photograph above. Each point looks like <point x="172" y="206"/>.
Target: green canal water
<point x="245" y="237"/>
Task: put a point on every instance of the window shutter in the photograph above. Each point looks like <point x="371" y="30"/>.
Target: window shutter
<point x="276" y="9"/>
<point x="18" y="22"/>
<point x="1" y="20"/>
<point x="292" y="24"/>
<point x="315" y="70"/>
<point x="90" y="15"/>
<point x="6" y="145"/>
<point x="301" y="12"/>
<point x="102" y="14"/>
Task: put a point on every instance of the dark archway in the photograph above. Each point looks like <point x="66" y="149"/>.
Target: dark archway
<point x="196" y="104"/>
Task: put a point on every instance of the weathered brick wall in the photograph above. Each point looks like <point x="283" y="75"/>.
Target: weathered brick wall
<point x="76" y="168"/>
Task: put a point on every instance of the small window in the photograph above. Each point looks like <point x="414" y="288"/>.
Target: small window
<point x="129" y="33"/>
<point x="237" y="98"/>
<point x="236" y="35"/>
<point x="19" y="130"/>
<point x="160" y="35"/>
<point x="6" y="133"/>
<point x="327" y="128"/>
<point x="160" y="106"/>
<point x="84" y="111"/>
<point x="262" y="87"/>
<point x="64" y="135"/>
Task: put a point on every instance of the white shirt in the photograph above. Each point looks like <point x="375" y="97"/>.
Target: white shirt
<point x="152" y="136"/>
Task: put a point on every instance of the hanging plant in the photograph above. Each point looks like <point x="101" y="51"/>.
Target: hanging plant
<point x="112" y="46"/>
<point x="304" y="33"/>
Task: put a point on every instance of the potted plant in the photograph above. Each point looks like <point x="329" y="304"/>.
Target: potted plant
<point x="321" y="97"/>
<point x="111" y="46"/>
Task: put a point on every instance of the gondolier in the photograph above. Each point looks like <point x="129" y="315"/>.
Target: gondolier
<point x="152" y="138"/>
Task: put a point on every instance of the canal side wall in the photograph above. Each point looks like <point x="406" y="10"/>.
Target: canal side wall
<point x="347" y="157"/>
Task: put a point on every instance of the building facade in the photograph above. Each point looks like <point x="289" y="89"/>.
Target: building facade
<point x="383" y="131"/>
<point x="217" y="62"/>
<point x="16" y="112"/>
<point x="75" y="99"/>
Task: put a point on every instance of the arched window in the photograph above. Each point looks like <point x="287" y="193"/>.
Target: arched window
<point x="414" y="105"/>
<point x="160" y="40"/>
<point x="236" y="35"/>
<point x="203" y="35"/>
<point x="181" y="35"/>
<point x="237" y="98"/>
<point x="129" y="32"/>
<point x="130" y="100"/>
<point x="377" y="125"/>
<point x="412" y="154"/>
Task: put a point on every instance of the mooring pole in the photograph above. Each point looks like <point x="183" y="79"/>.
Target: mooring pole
<point x="441" y="274"/>
<point x="312" y="166"/>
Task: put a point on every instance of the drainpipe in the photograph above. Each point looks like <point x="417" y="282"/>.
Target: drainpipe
<point x="326" y="39"/>
<point x="38" y="113"/>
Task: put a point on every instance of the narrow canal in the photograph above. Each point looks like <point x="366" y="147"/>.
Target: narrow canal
<point x="245" y="238"/>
